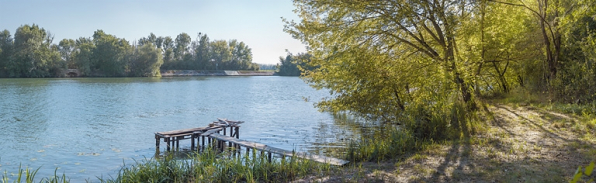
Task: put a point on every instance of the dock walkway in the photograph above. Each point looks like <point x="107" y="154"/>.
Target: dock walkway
<point x="219" y="141"/>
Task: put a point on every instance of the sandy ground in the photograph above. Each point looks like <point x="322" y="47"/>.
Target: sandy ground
<point x="521" y="144"/>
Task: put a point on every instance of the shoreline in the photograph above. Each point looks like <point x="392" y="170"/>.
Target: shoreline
<point x="176" y="73"/>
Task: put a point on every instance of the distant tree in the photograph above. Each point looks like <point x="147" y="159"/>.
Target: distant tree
<point x="109" y="57"/>
<point x="221" y="54"/>
<point x="293" y="65"/>
<point x="66" y="47"/>
<point x="33" y="53"/>
<point x="83" y="54"/>
<point x="146" y="61"/>
<point x="202" y="52"/>
<point x="159" y="42"/>
<point x="168" y="55"/>
<point x="241" y="55"/>
<point x="6" y="44"/>
<point x="183" y="41"/>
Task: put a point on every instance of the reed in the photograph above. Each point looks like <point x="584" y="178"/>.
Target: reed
<point x="211" y="166"/>
<point x="207" y="166"/>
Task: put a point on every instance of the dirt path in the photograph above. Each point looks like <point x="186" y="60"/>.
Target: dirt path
<point x="521" y="144"/>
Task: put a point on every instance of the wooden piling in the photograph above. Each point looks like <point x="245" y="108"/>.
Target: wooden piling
<point x="168" y="142"/>
<point x="177" y="143"/>
<point x="192" y="142"/>
<point x="157" y="142"/>
<point x="203" y="141"/>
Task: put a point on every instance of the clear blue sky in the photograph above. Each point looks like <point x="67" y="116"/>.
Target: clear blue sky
<point x="256" y="22"/>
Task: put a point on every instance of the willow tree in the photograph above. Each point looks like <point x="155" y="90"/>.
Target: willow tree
<point x="381" y="57"/>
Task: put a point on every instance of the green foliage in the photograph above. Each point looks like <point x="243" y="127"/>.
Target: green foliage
<point x="207" y="166"/>
<point x="82" y="56"/>
<point x="577" y="79"/>
<point x="109" y="58"/>
<point x="29" y="175"/>
<point x="33" y="55"/>
<point x="584" y="175"/>
<point x="6" y="49"/>
<point x="294" y="65"/>
<point x="146" y="61"/>
<point x="421" y="128"/>
<point x="66" y="48"/>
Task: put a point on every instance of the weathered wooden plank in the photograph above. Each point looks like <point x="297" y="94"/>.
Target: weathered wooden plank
<point x="185" y="132"/>
<point x="210" y="132"/>
<point x="173" y="132"/>
<point x="263" y="147"/>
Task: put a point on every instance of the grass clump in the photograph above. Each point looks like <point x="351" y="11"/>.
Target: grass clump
<point x="28" y="175"/>
<point x="422" y="127"/>
<point x="210" y="166"/>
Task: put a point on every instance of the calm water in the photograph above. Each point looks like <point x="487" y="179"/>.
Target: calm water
<point x="87" y="127"/>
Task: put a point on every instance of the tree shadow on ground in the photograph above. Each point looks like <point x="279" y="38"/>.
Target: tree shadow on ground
<point x="509" y="154"/>
<point x="520" y="145"/>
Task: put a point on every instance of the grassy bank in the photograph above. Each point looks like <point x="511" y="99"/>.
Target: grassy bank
<point x="514" y="138"/>
<point x="208" y="166"/>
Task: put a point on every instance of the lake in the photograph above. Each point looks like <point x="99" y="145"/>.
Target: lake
<point x="89" y="127"/>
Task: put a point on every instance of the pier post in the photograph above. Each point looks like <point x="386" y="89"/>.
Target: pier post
<point x="168" y="142"/>
<point x="157" y="142"/>
<point x="177" y="143"/>
<point x="192" y="142"/>
<point x="203" y="142"/>
<point x="231" y="134"/>
<point x="269" y="157"/>
<point x="237" y="132"/>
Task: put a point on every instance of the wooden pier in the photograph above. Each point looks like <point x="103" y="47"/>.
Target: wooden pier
<point x="220" y="141"/>
<point x="172" y="138"/>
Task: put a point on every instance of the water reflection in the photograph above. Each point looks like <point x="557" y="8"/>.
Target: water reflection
<point x="333" y="138"/>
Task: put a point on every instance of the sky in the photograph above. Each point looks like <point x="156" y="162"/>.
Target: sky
<point x="257" y="23"/>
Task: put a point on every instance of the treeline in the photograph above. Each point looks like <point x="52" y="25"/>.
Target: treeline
<point x="31" y="53"/>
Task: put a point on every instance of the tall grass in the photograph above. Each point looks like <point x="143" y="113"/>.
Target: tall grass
<point x="207" y="166"/>
<point x="421" y="127"/>
<point x="29" y="176"/>
<point x="210" y="166"/>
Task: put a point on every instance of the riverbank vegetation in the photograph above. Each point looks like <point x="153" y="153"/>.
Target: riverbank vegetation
<point x="32" y="53"/>
<point x="438" y="74"/>
<point x="207" y="166"/>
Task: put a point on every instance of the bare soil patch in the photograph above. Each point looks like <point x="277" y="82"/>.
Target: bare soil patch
<point x="521" y="144"/>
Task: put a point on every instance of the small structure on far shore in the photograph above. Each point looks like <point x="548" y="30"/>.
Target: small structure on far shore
<point x="73" y="73"/>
